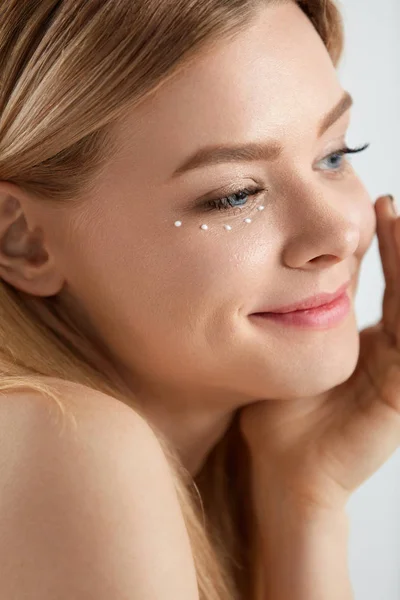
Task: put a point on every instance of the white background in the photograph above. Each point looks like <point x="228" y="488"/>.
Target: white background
<point x="370" y="70"/>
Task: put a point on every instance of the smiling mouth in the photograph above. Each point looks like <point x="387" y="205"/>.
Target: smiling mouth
<point x="324" y="316"/>
<point x="315" y="301"/>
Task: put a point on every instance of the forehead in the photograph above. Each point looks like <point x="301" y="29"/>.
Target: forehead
<point x="274" y="78"/>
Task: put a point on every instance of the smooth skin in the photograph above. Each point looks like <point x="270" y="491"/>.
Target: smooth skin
<point x="81" y="515"/>
<point x="315" y="422"/>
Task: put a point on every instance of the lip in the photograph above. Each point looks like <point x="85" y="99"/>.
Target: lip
<point x="322" y="317"/>
<point x="319" y="300"/>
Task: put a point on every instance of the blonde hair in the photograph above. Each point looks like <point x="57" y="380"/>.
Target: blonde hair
<point x="68" y="70"/>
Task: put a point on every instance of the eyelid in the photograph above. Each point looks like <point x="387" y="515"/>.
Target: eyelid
<point x="335" y="145"/>
<point x="231" y="188"/>
<point x="343" y="144"/>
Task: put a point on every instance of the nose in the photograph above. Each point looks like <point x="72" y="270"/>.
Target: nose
<point x="324" y="230"/>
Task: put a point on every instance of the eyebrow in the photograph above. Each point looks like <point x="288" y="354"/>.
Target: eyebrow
<point x="211" y="155"/>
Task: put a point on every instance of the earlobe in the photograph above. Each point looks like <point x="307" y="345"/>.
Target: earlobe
<point x="24" y="260"/>
<point x="43" y="281"/>
<point x="38" y="279"/>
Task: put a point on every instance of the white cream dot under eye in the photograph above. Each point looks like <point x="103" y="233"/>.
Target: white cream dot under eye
<point x="204" y="227"/>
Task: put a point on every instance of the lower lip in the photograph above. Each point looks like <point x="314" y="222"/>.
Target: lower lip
<point x="322" y="317"/>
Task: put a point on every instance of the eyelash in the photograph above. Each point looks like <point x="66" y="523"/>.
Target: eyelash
<point x="224" y="203"/>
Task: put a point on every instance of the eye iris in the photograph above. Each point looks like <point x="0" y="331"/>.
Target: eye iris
<point x="240" y="195"/>
<point x="336" y="158"/>
<point x="239" y="199"/>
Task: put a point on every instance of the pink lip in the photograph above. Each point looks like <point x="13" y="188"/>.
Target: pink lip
<point x="324" y="311"/>
<point x="308" y="303"/>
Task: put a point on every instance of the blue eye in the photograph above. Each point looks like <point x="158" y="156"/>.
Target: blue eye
<point x="339" y="155"/>
<point x="234" y="200"/>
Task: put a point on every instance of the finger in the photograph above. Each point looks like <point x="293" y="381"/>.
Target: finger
<point x="371" y="435"/>
<point x="390" y="257"/>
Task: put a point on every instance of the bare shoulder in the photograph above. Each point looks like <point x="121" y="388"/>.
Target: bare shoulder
<point x="74" y="395"/>
<point x="86" y="412"/>
<point x="81" y="514"/>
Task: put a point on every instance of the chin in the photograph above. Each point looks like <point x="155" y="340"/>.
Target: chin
<point x="323" y="372"/>
<point x="303" y="367"/>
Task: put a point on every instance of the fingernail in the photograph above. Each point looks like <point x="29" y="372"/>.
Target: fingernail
<point x="394" y="207"/>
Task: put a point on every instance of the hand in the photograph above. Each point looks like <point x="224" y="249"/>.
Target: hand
<point x="319" y="450"/>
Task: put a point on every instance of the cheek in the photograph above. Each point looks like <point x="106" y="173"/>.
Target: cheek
<point x="202" y="278"/>
<point x="367" y="224"/>
<point x="225" y="261"/>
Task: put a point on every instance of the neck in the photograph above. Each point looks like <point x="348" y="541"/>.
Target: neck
<point x="193" y="431"/>
<point x="192" y="421"/>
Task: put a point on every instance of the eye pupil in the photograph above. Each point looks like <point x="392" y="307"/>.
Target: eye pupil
<point x="336" y="158"/>
<point x="238" y="196"/>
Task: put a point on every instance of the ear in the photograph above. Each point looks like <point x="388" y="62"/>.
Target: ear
<point x="25" y="261"/>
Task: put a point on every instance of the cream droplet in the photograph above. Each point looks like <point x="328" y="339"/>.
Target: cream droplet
<point x="227" y="227"/>
<point x="178" y="223"/>
<point x="260" y="207"/>
<point x="205" y="227"/>
<point x="247" y="220"/>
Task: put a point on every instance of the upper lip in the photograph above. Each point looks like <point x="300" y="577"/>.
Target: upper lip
<point x="311" y="302"/>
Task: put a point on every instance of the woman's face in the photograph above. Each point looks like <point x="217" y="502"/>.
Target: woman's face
<point x="173" y="304"/>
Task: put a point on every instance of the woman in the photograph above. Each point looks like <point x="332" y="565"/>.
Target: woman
<point x="173" y="177"/>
